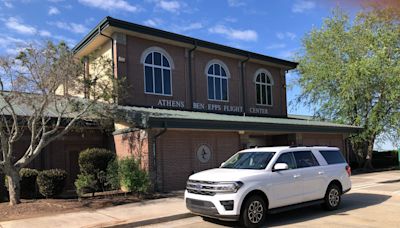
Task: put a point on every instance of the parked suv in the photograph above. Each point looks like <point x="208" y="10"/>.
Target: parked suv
<point x="270" y="179"/>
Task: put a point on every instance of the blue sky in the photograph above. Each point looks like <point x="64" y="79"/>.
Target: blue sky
<point x="273" y="28"/>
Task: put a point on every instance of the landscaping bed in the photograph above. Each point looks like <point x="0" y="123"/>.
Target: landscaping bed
<point x="45" y="207"/>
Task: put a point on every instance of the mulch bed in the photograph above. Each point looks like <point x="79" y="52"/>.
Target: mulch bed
<point x="44" y="207"/>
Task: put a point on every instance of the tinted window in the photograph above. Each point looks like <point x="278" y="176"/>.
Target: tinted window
<point x="305" y="159"/>
<point x="249" y="160"/>
<point x="288" y="159"/>
<point x="333" y="156"/>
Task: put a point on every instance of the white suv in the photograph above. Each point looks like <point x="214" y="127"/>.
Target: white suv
<point x="273" y="179"/>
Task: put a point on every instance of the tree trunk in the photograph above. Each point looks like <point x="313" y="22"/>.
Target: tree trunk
<point x="368" y="158"/>
<point x="13" y="180"/>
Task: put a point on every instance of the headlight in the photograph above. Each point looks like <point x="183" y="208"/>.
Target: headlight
<point x="227" y="187"/>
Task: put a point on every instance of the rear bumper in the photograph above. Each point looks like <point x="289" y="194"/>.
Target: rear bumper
<point x="207" y="209"/>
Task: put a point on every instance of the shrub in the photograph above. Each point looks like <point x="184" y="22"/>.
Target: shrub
<point x="51" y="182"/>
<point x="28" y="182"/>
<point x="93" y="160"/>
<point x="85" y="183"/>
<point x="112" y="175"/>
<point x="132" y="177"/>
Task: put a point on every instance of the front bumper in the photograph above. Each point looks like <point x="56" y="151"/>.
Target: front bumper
<point x="210" y="206"/>
<point x="207" y="209"/>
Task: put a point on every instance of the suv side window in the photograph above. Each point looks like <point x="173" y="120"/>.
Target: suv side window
<point x="332" y="156"/>
<point x="288" y="159"/>
<point x="305" y="159"/>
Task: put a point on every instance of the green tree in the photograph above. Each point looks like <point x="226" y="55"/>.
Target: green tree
<point x="350" y="71"/>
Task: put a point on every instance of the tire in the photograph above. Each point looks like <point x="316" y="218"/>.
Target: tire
<point x="333" y="197"/>
<point x="254" y="212"/>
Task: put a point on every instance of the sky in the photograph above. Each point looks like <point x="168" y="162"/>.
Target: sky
<point x="273" y="28"/>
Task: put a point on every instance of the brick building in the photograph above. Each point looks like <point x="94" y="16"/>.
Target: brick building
<point x="194" y="103"/>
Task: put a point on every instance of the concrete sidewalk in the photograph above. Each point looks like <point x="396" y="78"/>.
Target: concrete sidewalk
<point x="134" y="214"/>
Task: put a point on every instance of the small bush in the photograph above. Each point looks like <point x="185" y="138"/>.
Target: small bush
<point x="51" y="182"/>
<point x="112" y="175"/>
<point x="28" y="183"/>
<point x="132" y="177"/>
<point x="85" y="183"/>
<point x="93" y="160"/>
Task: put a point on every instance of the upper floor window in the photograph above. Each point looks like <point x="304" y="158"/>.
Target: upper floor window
<point x="217" y="80"/>
<point x="157" y="72"/>
<point x="264" y="83"/>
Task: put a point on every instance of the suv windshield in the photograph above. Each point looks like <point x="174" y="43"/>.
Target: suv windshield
<point x="249" y="160"/>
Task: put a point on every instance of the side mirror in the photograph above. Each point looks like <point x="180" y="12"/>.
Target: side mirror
<point x="222" y="164"/>
<point x="281" y="166"/>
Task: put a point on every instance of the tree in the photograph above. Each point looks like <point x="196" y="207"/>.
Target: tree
<point x="350" y="71"/>
<point x="36" y="99"/>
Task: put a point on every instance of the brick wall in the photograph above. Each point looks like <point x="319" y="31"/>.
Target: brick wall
<point x="134" y="144"/>
<point x="177" y="159"/>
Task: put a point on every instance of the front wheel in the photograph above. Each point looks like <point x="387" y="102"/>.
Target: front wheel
<point x="254" y="212"/>
<point x="332" y="197"/>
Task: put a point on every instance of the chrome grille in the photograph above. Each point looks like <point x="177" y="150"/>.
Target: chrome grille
<point x="201" y="187"/>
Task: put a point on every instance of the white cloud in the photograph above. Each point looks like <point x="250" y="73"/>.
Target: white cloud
<point x="192" y="26"/>
<point x="275" y="46"/>
<point x="44" y="33"/>
<point x="111" y="5"/>
<point x="8" y="4"/>
<point x="287" y="54"/>
<point x="170" y="6"/>
<point x="153" y="22"/>
<point x="302" y="5"/>
<point x="53" y="10"/>
<point x="234" y="34"/>
<point x="286" y="35"/>
<point x="17" y="25"/>
<point x="55" y="1"/>
<point x="236" y="3"/>
<point x="72" y="27"/>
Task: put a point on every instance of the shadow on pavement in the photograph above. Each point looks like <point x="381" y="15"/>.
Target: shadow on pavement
<point x="350" y="201"/>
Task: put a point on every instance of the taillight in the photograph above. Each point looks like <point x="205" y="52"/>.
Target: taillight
<point x="348" y="170"/>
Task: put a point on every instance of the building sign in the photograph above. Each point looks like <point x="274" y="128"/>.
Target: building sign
<point x="171" y="103"/>
<point x="203" y="153"/>
<point x="217" y="107"/>
<point x="259" y="110"/>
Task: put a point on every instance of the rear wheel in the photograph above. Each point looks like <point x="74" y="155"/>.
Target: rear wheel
<point x="332" y="198"/>
<point x="254" y="211"/>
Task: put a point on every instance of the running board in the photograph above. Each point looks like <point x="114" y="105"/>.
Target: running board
<point x="295" y="206"/>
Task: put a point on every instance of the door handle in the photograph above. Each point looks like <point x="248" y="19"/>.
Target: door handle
<point x="296" y="176"/>
<point x="321" y="172"/>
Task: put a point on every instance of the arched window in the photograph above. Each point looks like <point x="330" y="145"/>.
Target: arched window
<point x="157" y="72"/>
<point x="217" y="80"/>
<point x="264" y="83"/>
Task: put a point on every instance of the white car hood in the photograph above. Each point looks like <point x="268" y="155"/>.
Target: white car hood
<point x="224" y="174"/>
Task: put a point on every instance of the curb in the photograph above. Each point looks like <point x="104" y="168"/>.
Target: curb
<point x="125" y="224"/>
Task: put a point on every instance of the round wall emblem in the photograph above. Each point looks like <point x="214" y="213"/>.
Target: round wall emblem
<point x="204" y="153"/>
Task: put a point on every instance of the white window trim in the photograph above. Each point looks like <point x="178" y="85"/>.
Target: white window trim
<point x="268" y="74"/>
<point x="228" y="76"/>
<point x="171" y="66"/>
<point x="157" y="49"/>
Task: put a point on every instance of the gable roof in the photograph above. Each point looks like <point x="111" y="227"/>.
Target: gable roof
<point x="119" y="24"/>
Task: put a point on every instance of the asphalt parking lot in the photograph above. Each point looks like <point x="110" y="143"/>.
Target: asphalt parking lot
<point x="374" y="201"/>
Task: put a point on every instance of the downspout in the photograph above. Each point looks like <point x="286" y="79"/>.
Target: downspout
<point x="154" y="154"/>
<point x="190" y="75"/>
<point x="243" y="86"/>
<point x="112" y="55"/>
